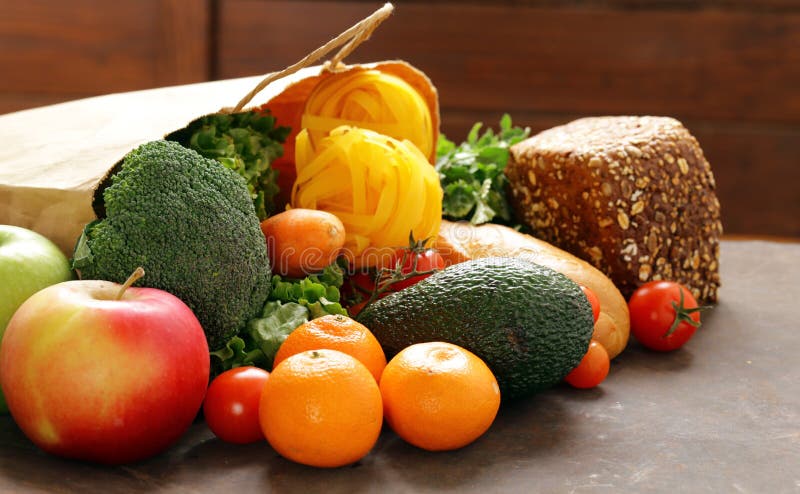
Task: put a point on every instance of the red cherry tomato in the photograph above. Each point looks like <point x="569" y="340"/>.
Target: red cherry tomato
<point x="592" y="300"/>
<point x="359" y="286"/>
<point x="354" y="309"/>
<point x="231" y="405"/>
<point x="664" y="315"/>
<point x="428" y="260"/>
<point x="593" y="368"/>
<point x="362" y="281"/>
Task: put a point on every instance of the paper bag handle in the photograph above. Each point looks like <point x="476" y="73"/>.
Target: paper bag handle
<point x="353" y="37"/>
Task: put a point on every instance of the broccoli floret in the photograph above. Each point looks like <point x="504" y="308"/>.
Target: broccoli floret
<point x="190" y="223"/>
<point x="247" y="143"/>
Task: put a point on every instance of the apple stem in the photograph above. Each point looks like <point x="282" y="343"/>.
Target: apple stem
<point x="133" y="278"/>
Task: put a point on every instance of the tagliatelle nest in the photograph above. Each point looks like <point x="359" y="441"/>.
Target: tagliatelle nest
<point x="373" y="100"/>
<point x="381" y="188"/>
<point x="403" y="114"/>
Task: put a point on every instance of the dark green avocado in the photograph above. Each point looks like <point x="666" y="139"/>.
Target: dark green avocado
<point x="529" y="323"/>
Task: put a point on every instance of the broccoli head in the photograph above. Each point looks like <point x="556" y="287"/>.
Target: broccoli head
<point x="244" y="142"/>
<point x="190" y="223"/>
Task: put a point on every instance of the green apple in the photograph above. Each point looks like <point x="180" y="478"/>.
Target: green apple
<point x="28" y="263"/>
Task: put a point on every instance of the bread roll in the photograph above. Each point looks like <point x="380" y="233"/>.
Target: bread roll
<point x="459" y="242"/>
<point x="634" y="196"/>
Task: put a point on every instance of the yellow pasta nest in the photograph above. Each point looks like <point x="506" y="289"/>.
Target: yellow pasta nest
<point x="381" y="188"/>
<point x="373" y="100"/>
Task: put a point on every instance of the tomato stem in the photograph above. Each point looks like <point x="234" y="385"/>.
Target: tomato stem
<point x="386" y="277"/>
<point x="683" y="314"/>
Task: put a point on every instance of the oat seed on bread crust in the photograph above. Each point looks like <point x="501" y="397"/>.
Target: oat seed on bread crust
<point x="634" y="196"/>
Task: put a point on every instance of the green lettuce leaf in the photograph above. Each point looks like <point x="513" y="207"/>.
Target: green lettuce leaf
<point x="319" y="293"/>
<point x="238" y="352"/>
<point x="277" y="321"/>
<point x="291" y="303"/>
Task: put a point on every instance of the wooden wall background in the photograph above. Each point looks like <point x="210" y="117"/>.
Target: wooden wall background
<point x="728" y="69"/>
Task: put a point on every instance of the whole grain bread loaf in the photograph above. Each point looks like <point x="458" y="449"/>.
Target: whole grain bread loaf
<point x="634" y="196"/>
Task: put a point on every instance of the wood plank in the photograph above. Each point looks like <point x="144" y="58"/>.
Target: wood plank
<point x="70" y="47"/>
<point x="708" y="64"/>
<point x="653" y="5"/>
<point x="183" y="54"/>
<point x="96" y="47"/>
<point x="757" y="177"/>
<point x="621" y="4"/>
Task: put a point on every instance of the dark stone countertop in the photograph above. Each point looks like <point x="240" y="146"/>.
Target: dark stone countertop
<point x="720" y="415"/>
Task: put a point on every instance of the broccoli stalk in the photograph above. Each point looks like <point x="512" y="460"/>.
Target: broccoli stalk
<point x="190" y="223"/>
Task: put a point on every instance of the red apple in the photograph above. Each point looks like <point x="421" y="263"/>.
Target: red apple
<point x="91" y="376"/>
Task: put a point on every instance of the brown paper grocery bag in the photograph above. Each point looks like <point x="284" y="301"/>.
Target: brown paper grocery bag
<point x="53" y="159"/>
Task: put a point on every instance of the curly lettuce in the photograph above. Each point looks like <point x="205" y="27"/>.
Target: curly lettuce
<point x="290" y="304"/>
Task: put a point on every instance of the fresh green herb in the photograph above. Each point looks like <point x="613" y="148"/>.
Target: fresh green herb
<point x="246" y="143"/>
<point x="291" y="303"/>
<point x="472" y="173"/>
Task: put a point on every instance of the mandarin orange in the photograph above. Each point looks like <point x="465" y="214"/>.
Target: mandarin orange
<point x="439" y="396"/>
<point x="336" y="332"/>
<point x="321" y="408"/>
